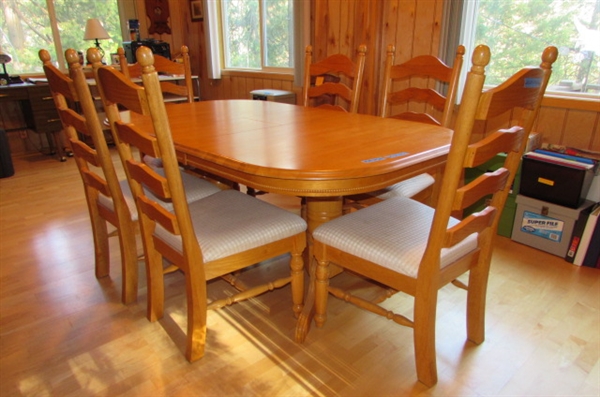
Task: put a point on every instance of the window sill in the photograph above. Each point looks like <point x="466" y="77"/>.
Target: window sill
<point x="559" y="101"/>
<point x="258" y="74"/>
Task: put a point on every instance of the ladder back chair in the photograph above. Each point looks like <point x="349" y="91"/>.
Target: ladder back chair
<point x="430" y="70"/>
<point x="331" y="82"/>
<point x="103" y="190"/>
<point x="410" y="247"/>
<point x="164" y="66"/>
<point x="335" y="77"/>
<point x="195" y="188"/>
<point x="172" y="90"/>
<point x="218" y="235"/>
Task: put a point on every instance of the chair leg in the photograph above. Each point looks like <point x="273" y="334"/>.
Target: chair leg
<point x="297" y="273"/>
<point x="156" y="284"/>
<point x="197" y="308"/>
<point x="476" y="297"/>
<point x="424" y="336"/>
<point x="101" y="247"/>
<point x="129" y="263"/>
<point x="321" y="293"/>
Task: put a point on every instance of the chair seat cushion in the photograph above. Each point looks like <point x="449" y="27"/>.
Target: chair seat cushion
<point x="153" y="162"/>
<point x="407" y="188"/>
<point x="392" y="233"/>
<point x="230" y="222"/>
<point x="195" y="189"/>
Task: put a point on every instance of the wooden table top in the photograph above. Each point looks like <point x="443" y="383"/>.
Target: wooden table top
<point x="302" y="151"/>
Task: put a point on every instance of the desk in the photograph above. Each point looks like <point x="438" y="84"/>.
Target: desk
<point x="39" y="112"/>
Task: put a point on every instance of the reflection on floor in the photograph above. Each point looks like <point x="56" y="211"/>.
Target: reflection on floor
<point x="63" y="332"/>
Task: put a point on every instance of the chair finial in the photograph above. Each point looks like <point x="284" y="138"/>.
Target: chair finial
<point x="44" y="55"/>
<point x="146" y="58"/>
<point x="481" y="57"/>
<point x="93" y="55"/>
<point x="549" y="57"/>
<point x="72" y="58"/>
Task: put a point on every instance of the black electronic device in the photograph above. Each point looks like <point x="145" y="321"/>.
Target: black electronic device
<point x="156" y="46"/>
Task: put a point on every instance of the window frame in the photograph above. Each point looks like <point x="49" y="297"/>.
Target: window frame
<point x="215" y="46"/>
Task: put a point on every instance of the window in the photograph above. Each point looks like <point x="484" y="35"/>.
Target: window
<point x="517" y="32"/>
<point x="30" y="25"/>
<point x="258" y="34"/>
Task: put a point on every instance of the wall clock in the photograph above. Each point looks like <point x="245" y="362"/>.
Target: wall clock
<point x="158" y="12"/>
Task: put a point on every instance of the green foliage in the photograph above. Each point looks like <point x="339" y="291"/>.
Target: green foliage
<point x="279" y="27"/>
<point x="518" y="31"/>
<point x="242" y="33"/>
<point x="26" y="28"/>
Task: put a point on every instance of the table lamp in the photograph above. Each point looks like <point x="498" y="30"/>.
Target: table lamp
<point x="95" y="31"/>
<point x="4" y="59"/>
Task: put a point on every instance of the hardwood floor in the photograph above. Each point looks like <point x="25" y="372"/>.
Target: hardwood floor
<point x="65" y="333"/>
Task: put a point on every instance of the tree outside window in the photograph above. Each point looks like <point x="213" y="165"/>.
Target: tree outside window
<point x="27" y="27"/>
<point x="257" y="34"/>
<point x="517" y="31"/>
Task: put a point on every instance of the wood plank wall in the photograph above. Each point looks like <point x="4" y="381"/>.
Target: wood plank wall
<point x="340" y="26"/>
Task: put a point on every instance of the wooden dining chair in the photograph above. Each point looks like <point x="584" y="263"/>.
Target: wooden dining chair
<point x="410" y="247"/>
<point x="334" y="82"/>
<point x="168" y="67"/>
<point x="401" y="98"/>
<point x="419" y="100"/>
<point x="103" y="190"/>
<point x="218" y="235"/>
<point x="172" y="91"/>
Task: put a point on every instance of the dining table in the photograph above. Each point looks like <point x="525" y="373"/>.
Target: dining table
<point x="317" y="154"/>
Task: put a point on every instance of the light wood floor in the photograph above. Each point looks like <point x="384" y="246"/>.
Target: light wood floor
<point x="65" y="333"/>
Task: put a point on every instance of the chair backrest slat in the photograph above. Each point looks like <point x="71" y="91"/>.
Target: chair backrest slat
<point x="476" y="223"/>
<point x="507" y="140"/>
<point x="156" y="212"/>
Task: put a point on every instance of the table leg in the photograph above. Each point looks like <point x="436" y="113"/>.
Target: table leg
<point x="319" y="210"/>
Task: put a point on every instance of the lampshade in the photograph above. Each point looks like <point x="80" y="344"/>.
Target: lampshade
<point x="4" y="58"/>
<point x="94" y="30"/>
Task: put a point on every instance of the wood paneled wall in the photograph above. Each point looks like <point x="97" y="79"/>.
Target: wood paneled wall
<point x="340" y="26"/>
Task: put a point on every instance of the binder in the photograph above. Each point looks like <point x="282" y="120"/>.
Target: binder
<point x="586" y="237"/>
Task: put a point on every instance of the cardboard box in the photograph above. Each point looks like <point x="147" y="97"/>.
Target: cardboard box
<point x="545" y="226"/>
<point x="555" y="183"/>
